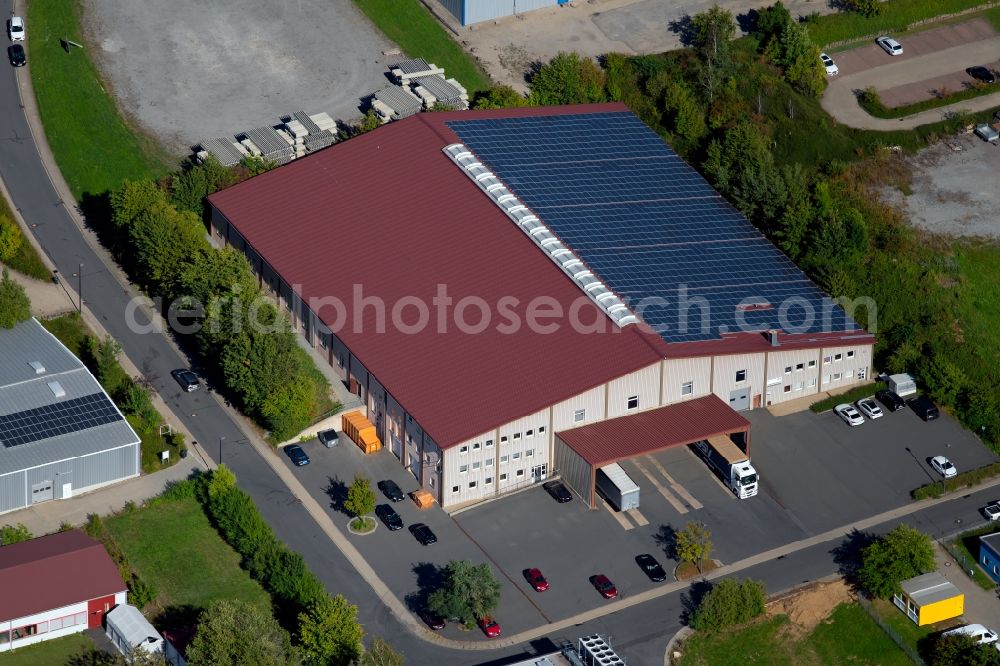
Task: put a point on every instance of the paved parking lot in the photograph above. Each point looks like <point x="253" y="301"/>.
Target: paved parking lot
<point x="914" y="45"/>
<point x="816" y="473"/>
<point x="187" y="70"/>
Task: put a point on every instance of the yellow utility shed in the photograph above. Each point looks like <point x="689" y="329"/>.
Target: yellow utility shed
<point x="930" y="598"/>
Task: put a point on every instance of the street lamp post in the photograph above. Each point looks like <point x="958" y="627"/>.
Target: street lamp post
<point x="220" y="449"/>
<point x="79" y="288"/>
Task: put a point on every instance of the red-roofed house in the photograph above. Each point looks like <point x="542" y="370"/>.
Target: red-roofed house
<point x="53" y="586"/>
<point x="416" y="272"/>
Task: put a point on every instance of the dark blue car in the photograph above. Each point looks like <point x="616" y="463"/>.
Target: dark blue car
<point x="297" y="455"/>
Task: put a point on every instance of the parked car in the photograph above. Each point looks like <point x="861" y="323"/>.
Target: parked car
<point x="890" y="400"/>
<point x="431" y="619"/>
<point x="536" y="580"/>
<point x="558" y="491"/>
<point x="389" y="516"/>
<point x="869" y="408"/>
<point x="604" y="585"/>
<point x="15" y="29"/>
<point x="391" y="490"/>
<point x="982" y="74"/>
<point x="328" y="438"/>
<point x="489" y="626"/>
<point x="423" y="534"/>
<point x="980" y="634"/>
<point x="651" y="568"/>
<point x="890" y="45"/>
<point x="987" y="132"/>
<point x="16" y="55"/>
<point x="850" y="415"/>
<point x="296" y="455"/>
<point x="992" y="511"/>
<point x="943" y="467"/>
<point x="829" y="64"/>
<point x="924" y="408"/>
<point x="187" y="379"/>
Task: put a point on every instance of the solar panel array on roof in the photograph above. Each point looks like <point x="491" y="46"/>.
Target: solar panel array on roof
<point x="650" y="226"/>
<point x="61" y="418"/>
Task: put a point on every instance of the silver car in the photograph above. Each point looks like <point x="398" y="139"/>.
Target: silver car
<point x="943" y="467"/>
<point x="850" y="415"/>
<point x="890" y="45"/>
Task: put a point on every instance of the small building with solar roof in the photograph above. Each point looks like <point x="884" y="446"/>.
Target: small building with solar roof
<point x="60" y="433"/>
<point x="598" y="276"/>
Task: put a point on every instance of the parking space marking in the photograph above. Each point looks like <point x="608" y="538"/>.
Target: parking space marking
<point x="637" y="517"/>
<point x="678" y="488"/>
<point x="712" y="475"/>
<point x="669" y="496"/>
<point x="622" y="520"/>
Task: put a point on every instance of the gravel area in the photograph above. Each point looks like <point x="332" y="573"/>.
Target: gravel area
<point x="186" y="70"/>
<point x="954" y="191"/>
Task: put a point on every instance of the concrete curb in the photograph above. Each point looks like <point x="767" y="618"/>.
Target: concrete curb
<point x="677" y="638"/>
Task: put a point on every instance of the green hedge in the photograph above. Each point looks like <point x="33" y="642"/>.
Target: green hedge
<point x="851" y="396"/>
<point x="895" y="16"/>
<point x="281" y="571"/>
<point x="140" y="592"/>
<point x="872" y="103"/>
<point x="958" y="482"/>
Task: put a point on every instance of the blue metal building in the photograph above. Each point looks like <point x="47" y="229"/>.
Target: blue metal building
<point x="989" y="555"/>
<point x="477" y="11"/>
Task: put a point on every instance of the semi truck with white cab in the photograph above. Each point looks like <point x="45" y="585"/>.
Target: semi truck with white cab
<point x="614" y="485"/>
<point x="731" y="463"/>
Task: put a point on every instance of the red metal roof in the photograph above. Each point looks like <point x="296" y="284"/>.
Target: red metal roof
<point x="388" y="211"/>
<point x="54" y="571"/>
<point x="653" y="430"/>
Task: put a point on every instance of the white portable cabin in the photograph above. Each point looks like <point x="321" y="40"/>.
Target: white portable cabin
<point x="130" y="631"/>
<point x="902" y="384"/>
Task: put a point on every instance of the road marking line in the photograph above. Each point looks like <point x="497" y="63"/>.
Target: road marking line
<point x="637" y="517"/>
<point x="678" y="488"/>
<point x="669" y="496"/>
<point x="622" y="520"/>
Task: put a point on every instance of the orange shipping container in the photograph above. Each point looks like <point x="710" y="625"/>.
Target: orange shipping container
<point x="361" y="431"/>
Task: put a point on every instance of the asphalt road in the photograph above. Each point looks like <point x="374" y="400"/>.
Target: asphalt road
<point x="640" y="633"/>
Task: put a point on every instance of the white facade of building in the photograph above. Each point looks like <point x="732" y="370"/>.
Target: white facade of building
<point x="55" y="623"/>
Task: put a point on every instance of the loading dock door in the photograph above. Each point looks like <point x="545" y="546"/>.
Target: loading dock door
<point x="41" y="492"/>
<point x="739" y="400"/>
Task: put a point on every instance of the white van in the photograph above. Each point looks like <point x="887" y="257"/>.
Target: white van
<point x="979" y="633"/>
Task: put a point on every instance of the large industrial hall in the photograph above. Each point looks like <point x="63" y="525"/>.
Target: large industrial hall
<point x="484" y="280"/>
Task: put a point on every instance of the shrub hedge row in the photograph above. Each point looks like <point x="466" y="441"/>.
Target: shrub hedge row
<point x="957" y="482"/>
<point x="140" y="591"/>
<point x="851" y="396"/>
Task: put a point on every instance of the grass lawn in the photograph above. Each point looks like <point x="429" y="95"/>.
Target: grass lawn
<point x="173" y="546"/>
<point x="48" y="653"/>
<point x="967" y="544"/>
<point x="418" y="33"/>
<point x="875" y="107"/>
<point x="848" y="636"/>
<point x="979" y="306"/>
<point x="94" y="147"/>
<point x="901" y="624"/>
<point x="896" y="16"/>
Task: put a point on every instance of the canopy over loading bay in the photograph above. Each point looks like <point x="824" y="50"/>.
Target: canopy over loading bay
<point x="579" y="452"/>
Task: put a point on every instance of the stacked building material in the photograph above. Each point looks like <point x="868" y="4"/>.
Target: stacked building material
<point x="436" y="90"/>
<point x="265" y="142"/>
<point x="406" y="70"/>
<point x="226" y="151"/>
<point x="394" y="102"/>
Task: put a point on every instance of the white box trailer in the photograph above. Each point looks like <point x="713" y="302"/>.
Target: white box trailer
<point x="614" y="485"/>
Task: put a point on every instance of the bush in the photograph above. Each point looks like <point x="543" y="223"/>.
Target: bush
<point x="141" y="593"/>
<point x="851" y="396"/>
<point x="10" y="534"/>
<point x="957" y="482"/>
<point x="15" y="306"/>
<point x="729" y="603"/>
<point x="867" y="8"/>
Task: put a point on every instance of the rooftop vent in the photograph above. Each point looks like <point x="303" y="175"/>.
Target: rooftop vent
<point x="561" y="255"/>
<point x="37" y="367"/>
<point x="57" y="389"/>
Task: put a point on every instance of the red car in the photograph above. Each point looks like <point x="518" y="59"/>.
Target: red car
<point x="489" y="627"/>
<point x="536" y="580"/>
<point x="604" y="585"/>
